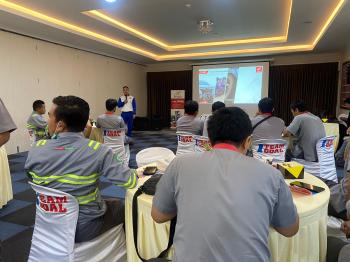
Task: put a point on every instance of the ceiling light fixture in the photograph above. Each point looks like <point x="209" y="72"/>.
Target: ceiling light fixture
<point x="205" y="26"/>
<point x="16" y="9"/>
<point x="110" y="1"/>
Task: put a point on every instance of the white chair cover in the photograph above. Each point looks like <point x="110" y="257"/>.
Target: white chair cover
<point x="185" y="143"/>
<point x="127" y="153"/>
<point x="114" y="139"/>
<point x="154" y="154"/>
<point x="54" y="232"/>
<point x="31" y="136"/>
<point x="55" y="224"/>
<point x="274" y="149"/>
<point x="202" y="144"/>
<point x="110" y="246"/>
<point x="325" y="167"/>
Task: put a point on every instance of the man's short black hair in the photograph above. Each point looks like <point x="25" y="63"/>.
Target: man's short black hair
<point x="111" y="104"/>
<point x="73" y="111"/>
<point x="266" y="105"/>
<point x="229" y="125"/>
<point x="217" y="105"/>
<point x="38" y="104"/>
<point x="191" y="107"/>
<point x="298" y="104"/>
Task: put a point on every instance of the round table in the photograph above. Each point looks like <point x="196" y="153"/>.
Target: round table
<point x="5" y="179"/>
<point x="309" y="244"/>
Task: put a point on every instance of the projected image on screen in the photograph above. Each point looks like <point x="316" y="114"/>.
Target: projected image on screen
<point x="231" y="85"/>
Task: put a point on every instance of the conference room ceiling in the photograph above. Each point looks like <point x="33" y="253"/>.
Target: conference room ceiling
<point x="160" y="30"/>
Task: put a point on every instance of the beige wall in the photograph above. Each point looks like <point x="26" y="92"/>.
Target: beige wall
<point x="31" y="69"/>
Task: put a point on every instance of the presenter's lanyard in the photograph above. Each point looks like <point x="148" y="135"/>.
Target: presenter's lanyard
<point x="226" y="146"/>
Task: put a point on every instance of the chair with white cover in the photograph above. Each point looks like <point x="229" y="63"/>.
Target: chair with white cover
<point x="153" y="155"/>
<point x="325" y="167"/>
<point x="115" y="139"/>
<point x="273" y="149"/>
<point x="54" y="232"/>
<point x="202" y="144"/>
<point x="31" y="136"/>
<point x="185" y="143"/>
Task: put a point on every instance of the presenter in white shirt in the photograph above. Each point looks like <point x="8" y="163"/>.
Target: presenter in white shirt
<point x="127" y="104"/>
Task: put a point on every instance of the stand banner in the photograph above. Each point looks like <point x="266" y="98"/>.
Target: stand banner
<point x="177" y="98"/>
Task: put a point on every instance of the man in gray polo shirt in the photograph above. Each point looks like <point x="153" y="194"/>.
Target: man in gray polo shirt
<point x="214" y="107"/>
<point x="265" y="125"/>
<point x="189" y="122"/>
<point x="225" y="202"/>
<point x="110" y="120"/>
<point x="7" y="125"/>
<point x="308" y="129"/>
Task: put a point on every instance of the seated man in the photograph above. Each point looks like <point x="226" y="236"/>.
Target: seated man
<point x="110" y="120"/>
<point x="265" y="125"/>
<point x="308" y="129"/>
<point x="73" y="164"/>
<point x="214" y="107"/>
<point x="189" y="122"/>
<point x="36" y="122"/>
<point x="225" y="202"/>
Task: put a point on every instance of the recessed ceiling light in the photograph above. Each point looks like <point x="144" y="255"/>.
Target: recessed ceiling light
<point x="188" y="5"/>
<point x="110" y="1"/>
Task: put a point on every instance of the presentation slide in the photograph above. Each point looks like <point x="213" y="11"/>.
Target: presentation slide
<point x="234" y="84"/>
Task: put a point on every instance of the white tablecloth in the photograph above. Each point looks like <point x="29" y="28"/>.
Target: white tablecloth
<point x="5" y="179"/>
<point x="309" y="245"/>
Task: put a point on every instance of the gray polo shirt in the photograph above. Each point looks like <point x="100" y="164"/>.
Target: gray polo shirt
<point x="339" y="192"/>
<point x="190" y="124"/>
<point x="7" y="124"/>
<point x="110" y="121"/>
<point x="271" y="128"/>
<point x="308" y="129"/>
<point x="225" y="204"/>
<point x="74" y="165"/>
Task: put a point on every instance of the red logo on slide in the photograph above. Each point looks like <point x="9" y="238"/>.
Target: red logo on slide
<point x="203" y="72"/>
<point x="259" y="69"/>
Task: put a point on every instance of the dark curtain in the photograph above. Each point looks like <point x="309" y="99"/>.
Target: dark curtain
<point x="316" y="84"/>
<point x="159" y="85"/>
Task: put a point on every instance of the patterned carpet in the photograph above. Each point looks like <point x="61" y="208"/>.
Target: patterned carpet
<point x="17" y="217"/>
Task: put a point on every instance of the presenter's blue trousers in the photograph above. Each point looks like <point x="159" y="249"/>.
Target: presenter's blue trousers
<point x="128" y="118"/>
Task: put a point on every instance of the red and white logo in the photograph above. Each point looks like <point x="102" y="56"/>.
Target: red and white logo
<point x="259" y="69"/>
<point x="112" y="133"/>
<point x="52" y="204"/>
<point x="185" y="139"/>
